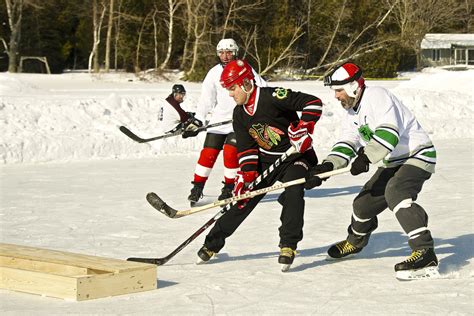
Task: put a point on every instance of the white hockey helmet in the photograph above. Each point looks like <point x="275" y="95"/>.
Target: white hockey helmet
<point x="227" y="44"/>
<point x="347" y="76"/>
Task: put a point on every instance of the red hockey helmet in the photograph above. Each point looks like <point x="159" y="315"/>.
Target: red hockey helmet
<point x="347" y="76"/>
<point x="235" y="72"/>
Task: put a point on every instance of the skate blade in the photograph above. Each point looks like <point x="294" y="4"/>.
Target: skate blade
<point x="199" y="261"/>
<point x="285" y="267"/>
<point x="329" y="258"/>
<point x="420" y="274"/>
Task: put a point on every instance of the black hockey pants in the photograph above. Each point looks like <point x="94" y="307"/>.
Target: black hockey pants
<point x="291" y="229"/>
<point x="395" y="188"/>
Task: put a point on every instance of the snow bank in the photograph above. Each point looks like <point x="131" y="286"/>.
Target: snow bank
<point x="75" y="117"/>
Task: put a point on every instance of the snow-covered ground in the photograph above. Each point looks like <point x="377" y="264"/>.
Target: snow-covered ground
<point x="70" y="180"/>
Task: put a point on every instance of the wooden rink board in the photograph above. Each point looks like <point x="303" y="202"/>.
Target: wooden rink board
<point x="70" y="275"/>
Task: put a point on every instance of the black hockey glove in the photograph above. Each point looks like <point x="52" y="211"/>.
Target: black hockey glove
<point x="312" y="179"/>
<point x="361" y="163"/>
<point x="191" y="127"/>
<point x="190" y="114"/>
<point x="177" y="128"/>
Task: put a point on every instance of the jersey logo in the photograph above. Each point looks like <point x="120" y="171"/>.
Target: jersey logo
<point x="266" y="136"/>
<point x="365" y="132"/>
<point x="280" y="93"/>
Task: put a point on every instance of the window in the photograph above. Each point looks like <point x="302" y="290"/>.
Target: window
<point x="435" y="54"/>
<point x="470" y="59"/>
<point x="460" y="55"/>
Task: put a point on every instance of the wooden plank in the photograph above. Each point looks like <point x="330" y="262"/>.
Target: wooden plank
<point x="45" y="267"/>
<point x="38" y="283"/>
<point x="66" y="258"/>
<point x="101" y="285"/>
<point x="69" y="275"/>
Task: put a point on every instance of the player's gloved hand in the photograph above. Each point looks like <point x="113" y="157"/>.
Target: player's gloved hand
<point x="177" y="128"/>
<point x="191" y="127"/>
<point x="312" y="179"/>
<point x="241" y="185"/>
<point x="361" y="163"/>
<point x="299" y="134"/>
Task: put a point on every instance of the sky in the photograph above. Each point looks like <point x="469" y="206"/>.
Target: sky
<point x="71" y="181"/>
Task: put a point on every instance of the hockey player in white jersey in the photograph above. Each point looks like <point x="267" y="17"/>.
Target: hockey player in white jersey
<point x="378" y="127"/>
<point x="174" y="117"/>
<point x="215" y="100"/>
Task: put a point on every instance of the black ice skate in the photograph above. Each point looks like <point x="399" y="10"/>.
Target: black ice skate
<point x="342" y="250"/>
<point x="422" y="264"/>
<point x="287" y="255"/>
<point x="205" y="255"/>
<point x="227" y="191"/>
<point x="196" y="192"/>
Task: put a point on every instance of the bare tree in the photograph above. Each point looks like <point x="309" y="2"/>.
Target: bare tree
<point x="117" y="34"/>
<point x="139" y="42"/>
<point x="416" y="18"/>
<point x="187" y="43"/>
<point x="15" y="13"/>
<point x="334" y="33"/>
<point x="200" y="19"/>
<point x="155" y="37"/>
<point x="273" y="56"/>
<point x="109" y="35"/>
<point x="235" y="11"/>
<point x="173" y="5"/>
<point x="354" y="47"/>
<point x="97" y="24"/>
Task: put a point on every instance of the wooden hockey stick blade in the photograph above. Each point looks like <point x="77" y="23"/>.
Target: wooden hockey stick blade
<point x="164" y="208"/>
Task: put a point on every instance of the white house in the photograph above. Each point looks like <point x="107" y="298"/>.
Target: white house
<point x="447" y="49"/>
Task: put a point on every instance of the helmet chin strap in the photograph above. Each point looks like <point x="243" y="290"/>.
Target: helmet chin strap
<point x="248" y="93"/>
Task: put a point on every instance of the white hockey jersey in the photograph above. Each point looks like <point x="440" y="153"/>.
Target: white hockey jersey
<point x="215" y="100"/>
<point x="170" y="118"/>
<point x="387" y="129"/>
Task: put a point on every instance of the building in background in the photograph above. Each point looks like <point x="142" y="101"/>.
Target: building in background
<point x="447" y="49"/>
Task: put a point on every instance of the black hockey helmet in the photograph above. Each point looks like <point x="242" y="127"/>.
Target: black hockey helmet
<point x="178" y="88"/>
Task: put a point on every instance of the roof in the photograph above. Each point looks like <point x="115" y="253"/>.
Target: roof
<point x="439" y="40"/>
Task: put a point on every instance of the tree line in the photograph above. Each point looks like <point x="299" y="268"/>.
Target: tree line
<point x="303" y="37"/>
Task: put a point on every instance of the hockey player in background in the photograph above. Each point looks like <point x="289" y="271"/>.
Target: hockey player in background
<point x="261" y="122"/>
<point x="174" y="117"/>
<point x="215" y="99"/>
<point x="379" y="127"/>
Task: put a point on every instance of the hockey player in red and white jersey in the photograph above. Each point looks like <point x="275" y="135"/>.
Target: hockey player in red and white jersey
<point x="379" y="128"/>
<point x="215" y="100"/>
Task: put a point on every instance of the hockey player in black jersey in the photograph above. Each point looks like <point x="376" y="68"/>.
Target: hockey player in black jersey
<point x="266" y="124"/>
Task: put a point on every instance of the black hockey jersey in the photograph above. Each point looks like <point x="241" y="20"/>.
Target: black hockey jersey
<point x="263" y="134"/>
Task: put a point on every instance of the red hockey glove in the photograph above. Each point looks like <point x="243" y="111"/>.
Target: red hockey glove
<point x="241" y="185"/>
<point x="299" y="135"/>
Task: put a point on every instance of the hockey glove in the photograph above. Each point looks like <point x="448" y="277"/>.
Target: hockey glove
<point x="241" y="185"/>
<point x="191" y="127"/>
<point x="299" y="134"/>
<point x="312" y="179"/>
<point x="177" y="128"/>
<point x="361" y="163"/>
<point x="190" y="115"/>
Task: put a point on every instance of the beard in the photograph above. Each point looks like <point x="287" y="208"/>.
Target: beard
<point x="348" y="103"/>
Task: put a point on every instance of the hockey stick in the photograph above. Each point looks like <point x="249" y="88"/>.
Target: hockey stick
<point x="164" y="208"/>
<point x="161" y="261"/>
<point x="137" y="138"/>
